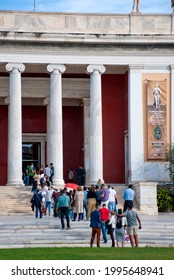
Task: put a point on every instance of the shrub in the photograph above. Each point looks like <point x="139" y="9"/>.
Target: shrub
<point x="165" y="199"/>
<point x="170" y="159"/>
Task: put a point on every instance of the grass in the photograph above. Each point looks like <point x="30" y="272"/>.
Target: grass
<point x="145" y="253"/>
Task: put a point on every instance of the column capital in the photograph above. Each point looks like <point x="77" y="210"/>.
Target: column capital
<point x="20" y="67"/>
<point x="56" y="67"/>
<point x="86" y="101"/>
<point x="171" y="67"/>
<point x="46" y="101"/>
<point x="93" y="68"/>
<point x="7" y="100"/>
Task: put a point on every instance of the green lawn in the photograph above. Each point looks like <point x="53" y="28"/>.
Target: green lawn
<point x="145" y="253"/>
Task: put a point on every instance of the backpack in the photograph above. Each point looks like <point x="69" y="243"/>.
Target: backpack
<point x="119" y="223"/>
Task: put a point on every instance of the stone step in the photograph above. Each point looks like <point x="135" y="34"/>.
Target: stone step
<point x="26" y="231"/>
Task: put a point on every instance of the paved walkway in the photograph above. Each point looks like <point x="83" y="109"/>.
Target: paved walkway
<point x="25" y="231"/>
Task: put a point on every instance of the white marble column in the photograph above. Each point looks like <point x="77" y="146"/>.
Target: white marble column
<point x="135" y="125"/>
<point x="15" y="125"/>
<point x="96" y="137"/>
<point x="55" y="122"/>
<point x="172" y="103"/>
<point x="86" y="121"/>
<point x="46" y="102"/>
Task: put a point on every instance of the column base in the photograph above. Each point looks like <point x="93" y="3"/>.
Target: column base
<point x="148" y="198"/>
<point x="58" y="183"/>
<point x="15" y="183"/>
<point x="149" y="210"/>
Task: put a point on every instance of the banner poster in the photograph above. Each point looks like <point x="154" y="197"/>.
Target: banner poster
<point x="157" y="119"/>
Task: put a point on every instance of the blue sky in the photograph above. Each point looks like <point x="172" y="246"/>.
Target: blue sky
<point x="87" y="6"/>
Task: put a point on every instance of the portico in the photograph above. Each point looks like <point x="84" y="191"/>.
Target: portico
<point x="93" y="73"/>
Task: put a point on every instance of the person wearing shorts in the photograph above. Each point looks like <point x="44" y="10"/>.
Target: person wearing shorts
<point x="133" y="224"/>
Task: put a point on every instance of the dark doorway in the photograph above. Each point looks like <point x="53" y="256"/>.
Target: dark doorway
<point x="30" y="154"/>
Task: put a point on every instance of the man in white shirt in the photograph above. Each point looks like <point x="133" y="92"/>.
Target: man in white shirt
<point x="112" y="199"/>
<point x="47" y="171"/>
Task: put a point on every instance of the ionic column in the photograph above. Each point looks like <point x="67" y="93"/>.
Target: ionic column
<point x="135" y="124"/>
<point x="55" y="122"/>
<point x="15" y="125"/>
<point x="46" y="102"/>
<point x="96" y="137"/>
<point x="86" y="120"/>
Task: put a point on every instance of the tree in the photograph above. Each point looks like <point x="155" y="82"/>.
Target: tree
<point x="170" y="159"/>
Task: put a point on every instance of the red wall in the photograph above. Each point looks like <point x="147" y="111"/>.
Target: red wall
<point x="3" y="144"/>
<point x="34" y="119"/>
<point x="72" y="138"/>
<point x="114" y="122"/>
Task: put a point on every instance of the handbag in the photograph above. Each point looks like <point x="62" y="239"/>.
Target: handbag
<point x="72" y="203"/>
<point x="43" y="210"/>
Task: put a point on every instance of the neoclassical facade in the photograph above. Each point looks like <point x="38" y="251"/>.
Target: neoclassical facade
<point x="78" y="90"/>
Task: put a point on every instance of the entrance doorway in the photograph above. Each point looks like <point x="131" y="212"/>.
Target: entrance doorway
<point x="31" y="153"/>
<point x="33" y="149"/>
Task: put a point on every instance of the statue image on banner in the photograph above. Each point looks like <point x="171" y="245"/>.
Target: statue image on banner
<point x="156" y="118"/>
<point x="156" y="94"/>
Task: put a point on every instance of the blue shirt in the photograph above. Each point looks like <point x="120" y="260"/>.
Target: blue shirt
<point x="85" y="196"/>
<point x="95" y="219"/>
<point x="63" y="201"/>
<point x="128" y="194"/>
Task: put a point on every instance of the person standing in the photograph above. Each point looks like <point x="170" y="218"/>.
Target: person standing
<point x="85" y="206"/>
<point x="111" y="227"/>
<point x="52" y="173"/>
<point x="91" y="200"/>
<point x="63" y="204"/>
<point x="112" y="199"/>
<point x="37" y="202"/>
<point x="104" y="212"/>
<point x="95" y="224"/>
<point x="132" y="225"/>
<point x="47" y="171"/>
<point x="121" y="225"/>
<point x="105" y="195"/>
<point x="78" y="206"/>
<point x="81" y="176"/>
<point x="128" y="197"/>
<point x="70" y="175"/>
<point x="31" y="172"/>
<point x="48" y="200"/>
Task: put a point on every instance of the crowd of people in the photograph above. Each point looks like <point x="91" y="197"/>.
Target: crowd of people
<point x="96" y="204"/>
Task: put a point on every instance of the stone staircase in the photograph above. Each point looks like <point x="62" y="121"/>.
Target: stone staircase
<point x="26" y="231"/>
<point x="15" y="200"/>
<point x="19" y="228"/>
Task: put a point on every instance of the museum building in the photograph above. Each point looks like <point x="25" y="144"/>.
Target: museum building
<point x="90" y="90"/>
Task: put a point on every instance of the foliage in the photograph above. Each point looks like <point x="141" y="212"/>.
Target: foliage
<point x="165" y="199"/>
<point x="170" y="159"/>
<point x="79" y="253"/>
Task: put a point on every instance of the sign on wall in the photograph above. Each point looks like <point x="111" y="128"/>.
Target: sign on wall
<point x="157" y="118"/>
